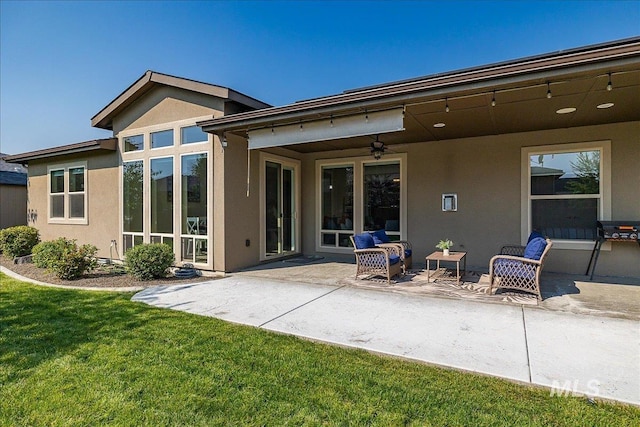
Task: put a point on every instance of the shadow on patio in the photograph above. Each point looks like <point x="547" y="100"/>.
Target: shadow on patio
<point x="604" y="296"/>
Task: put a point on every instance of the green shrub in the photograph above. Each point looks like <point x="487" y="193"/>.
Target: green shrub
<point x="149" y="261"/>
<point x="65" y="258"/>
<point x="18" y="241"/>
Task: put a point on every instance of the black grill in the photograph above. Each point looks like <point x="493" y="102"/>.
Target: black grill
<point x="613" y="231"/>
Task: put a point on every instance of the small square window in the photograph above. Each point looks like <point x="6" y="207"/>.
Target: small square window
<point x="162" y="139"/>
<point x="193" y="134"/>
<point x="134" y="143"/>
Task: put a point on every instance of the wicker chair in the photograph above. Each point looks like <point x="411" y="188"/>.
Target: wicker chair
<point x="373" y="260"/>
<point x="520" y="272"/>
<point x="403" y="247"/>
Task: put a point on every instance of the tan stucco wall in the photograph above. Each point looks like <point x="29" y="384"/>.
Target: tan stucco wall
<point x="102" y="202"/>
<point x="166" y="104"/>
<point x="13" y="205"/>
<point x="485" y="172"/>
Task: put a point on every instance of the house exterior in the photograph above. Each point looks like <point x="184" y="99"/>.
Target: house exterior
<point x="13" y="194"/>
<point x="481" y="156"/>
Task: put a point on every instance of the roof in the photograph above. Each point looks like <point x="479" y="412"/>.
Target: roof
<point x="12" y="173"/>
<point x="533" y="70"/>
<point x="151" y="79"/>
<point x="96" y="145"/>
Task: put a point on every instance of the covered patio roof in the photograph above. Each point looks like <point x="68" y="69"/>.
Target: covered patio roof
<point x="601" y="82"/>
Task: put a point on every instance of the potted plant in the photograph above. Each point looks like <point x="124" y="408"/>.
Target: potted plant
<point x="444" y="245"/>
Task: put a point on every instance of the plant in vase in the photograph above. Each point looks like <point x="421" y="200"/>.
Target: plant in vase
<point x="444" y="245"/>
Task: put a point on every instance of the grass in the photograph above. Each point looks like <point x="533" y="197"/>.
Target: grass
<point x="91" y="358"/>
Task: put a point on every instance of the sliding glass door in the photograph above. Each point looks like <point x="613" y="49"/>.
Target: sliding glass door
<point x="279" y="209"/>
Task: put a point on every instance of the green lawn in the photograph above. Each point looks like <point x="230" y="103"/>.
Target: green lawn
<point x="92" y="358"/>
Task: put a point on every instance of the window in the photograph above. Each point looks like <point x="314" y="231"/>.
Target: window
<point x="337" y="205"/>
<point x="567" y="190"/>
<point x="192" y="134"/>
<point x="162" y="139"/>
<point x="67" y="201"/>
<point x="162" y="195"/>
<point x="381" y="195"/>
<point x="133" y="143"/>
<point x="194" y="207"/>
<point x="132" y="203"/>
<point x="359" y="194"/>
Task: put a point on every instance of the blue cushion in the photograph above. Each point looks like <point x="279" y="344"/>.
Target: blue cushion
<point x="364" y="241"/>
<point x="533" y="235"/>
<point x="394" y="259"/>
<point x="380" y="236"/>
<point x="508" y="267"/>
<point x="407" y="253"/>
<point x="535" y="248"/>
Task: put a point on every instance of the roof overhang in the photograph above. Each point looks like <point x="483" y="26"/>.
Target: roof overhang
<point x="150" y="80"/>
<point x="93" y="146"/>
<point x="576" y="77"/>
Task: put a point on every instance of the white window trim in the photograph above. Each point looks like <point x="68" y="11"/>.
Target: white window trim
<point x="181" y="143"/>
<point x="175" y="150"/>
<point x="67" y="219"/>
<point x="358" y="164"/>
<point x="604" y="212"/>
<point x="178" y="215"/>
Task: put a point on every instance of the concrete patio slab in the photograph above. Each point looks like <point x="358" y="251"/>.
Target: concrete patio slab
<point x="235" y="299"/>
<point x="460" y="334"/>
<point x="596" y="356"/>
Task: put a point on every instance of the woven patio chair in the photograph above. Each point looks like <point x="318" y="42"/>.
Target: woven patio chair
<point x="405" y="251"/>
<point x="518" y="250"/>
<point x="520" y="272"/>
<point x="375" y="261"/>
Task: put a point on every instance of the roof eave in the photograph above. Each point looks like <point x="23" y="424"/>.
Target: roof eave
<point x="109" y="144"/>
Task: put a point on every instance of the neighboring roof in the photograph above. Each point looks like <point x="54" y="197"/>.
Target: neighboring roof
<point x="108" y="144"/>
<point x="539" y="67"/>
<point x="542" y="171"/>
<point x="151" y="79"/>
<point x="12" y="173"/>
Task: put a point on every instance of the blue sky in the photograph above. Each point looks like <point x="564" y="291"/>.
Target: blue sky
<point x="62" y="62"/>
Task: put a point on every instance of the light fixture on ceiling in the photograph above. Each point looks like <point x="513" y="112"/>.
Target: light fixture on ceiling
<point x="366" y="116"/>
<point x="609" y="85"/>
<point x="446" y="105"/>
<point x="439" y="125"/>
<point x="331" y="121"/>
<point x="548" y="90"/>
<point x="377" y="148"/>
<point x="493" y="100"/>
<point x="566" y="110"/>
<point x="605" y="105"/>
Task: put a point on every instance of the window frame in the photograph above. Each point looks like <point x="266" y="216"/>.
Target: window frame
<point x="66" y="194"/>
<point x="358" y="164"/>
<point x="604" y="197"/>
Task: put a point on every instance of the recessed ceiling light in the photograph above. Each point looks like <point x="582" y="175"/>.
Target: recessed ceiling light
<point x="566" y="110"/>
<point x="605" y="105"/>
<point x="439" y="125"/>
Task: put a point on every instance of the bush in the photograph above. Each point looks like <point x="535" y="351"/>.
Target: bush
<point x="149" y="261"/>
<point x="18" y="241"/>
<point x="65" y="258"/>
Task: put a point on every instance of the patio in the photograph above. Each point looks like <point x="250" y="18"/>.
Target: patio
<point x="604" y="296"/>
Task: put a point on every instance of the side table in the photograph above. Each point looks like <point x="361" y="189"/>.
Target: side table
<point x="453" y="257"/>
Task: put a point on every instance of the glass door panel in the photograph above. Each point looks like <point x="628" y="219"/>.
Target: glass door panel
<point x="280" y="209"/>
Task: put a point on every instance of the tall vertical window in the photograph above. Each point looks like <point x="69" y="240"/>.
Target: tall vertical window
<point x="133" y="143"/>
<point x="162" y="139"/>
<point x="194" y="207"/>
<point x="381" y="198"/>
<point x="162" y="195"/>
<point x="337" y="205"/>
<point x="132" y="203"/>
<point x="67" y="201"/>
<point x="56" y="197"/>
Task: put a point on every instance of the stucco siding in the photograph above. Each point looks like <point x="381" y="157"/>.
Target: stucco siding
<point x="102" y="202"/>
<point x="485" y="172"/>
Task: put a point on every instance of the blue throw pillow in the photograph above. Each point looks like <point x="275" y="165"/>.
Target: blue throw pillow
<point x="533" y="235"/>
<point x="364" y="241"/>
<point x="394" y="259"/>
<point x="380" y="236"/>
<point x="535" y="248"/>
